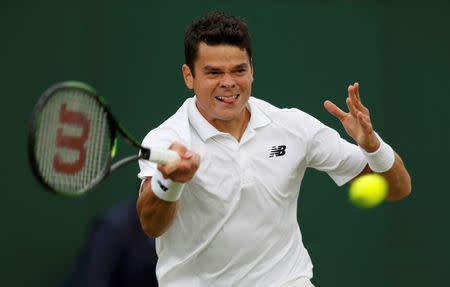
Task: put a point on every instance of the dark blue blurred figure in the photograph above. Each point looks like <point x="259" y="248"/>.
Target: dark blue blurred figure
<point x="117" y="253"/>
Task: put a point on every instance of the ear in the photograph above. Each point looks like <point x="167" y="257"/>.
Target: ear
<point x="187" y="76"/>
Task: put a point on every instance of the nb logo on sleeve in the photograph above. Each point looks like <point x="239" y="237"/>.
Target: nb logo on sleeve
<point x="278" y="151"/>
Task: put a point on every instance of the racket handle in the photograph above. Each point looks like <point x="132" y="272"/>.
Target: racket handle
<point x="163" y="156"/>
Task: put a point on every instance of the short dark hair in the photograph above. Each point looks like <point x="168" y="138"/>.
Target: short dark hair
<point x="215" y="28"/>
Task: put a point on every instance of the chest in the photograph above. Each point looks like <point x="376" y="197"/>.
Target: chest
<point x="267" y="162"/>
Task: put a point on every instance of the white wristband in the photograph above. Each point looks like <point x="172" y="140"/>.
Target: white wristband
<point x="382" y="159"/>
<point x="166" y="189"/>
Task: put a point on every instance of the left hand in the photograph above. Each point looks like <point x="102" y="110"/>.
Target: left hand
<point x="356" y="122"/>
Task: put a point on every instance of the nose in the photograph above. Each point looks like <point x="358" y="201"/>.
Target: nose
<point x="227" y="81"/>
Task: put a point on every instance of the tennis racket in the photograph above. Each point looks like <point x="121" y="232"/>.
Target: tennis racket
<point x="72" y="140"/>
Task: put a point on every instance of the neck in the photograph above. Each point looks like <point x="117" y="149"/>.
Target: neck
<point x="235" y="127"/>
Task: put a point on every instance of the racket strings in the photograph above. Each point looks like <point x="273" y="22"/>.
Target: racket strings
<point x="73" y="140"/>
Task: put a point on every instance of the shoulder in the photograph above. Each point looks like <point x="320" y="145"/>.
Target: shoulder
<point x="175" y="128"/>
<point x="292" y="119"/>
<point x="277" y="113"/>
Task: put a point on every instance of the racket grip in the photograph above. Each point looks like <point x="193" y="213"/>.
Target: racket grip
<point x="163" y="156"/>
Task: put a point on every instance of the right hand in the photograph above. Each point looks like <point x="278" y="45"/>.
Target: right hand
<point x="181" y="170"/>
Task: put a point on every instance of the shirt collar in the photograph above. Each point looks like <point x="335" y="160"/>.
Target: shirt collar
<point x="258" y="118"/>
<point x="206" y="130"/>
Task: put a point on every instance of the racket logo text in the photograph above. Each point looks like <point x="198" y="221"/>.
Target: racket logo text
<point x="73" y="142"/>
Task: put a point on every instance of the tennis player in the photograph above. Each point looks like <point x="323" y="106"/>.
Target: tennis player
<point x="232" y="220"/>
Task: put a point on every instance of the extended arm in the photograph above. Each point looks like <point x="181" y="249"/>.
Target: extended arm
<point x="157" y="215"/>
<point x="357" y="124"/>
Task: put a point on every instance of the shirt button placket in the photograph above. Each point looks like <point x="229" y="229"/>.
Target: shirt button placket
<point x="243" y="168"/>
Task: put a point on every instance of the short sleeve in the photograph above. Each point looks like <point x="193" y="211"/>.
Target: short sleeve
<point x="174" y="129"/>
<point x="157" y="138"/>
<point x="330" y="153"/>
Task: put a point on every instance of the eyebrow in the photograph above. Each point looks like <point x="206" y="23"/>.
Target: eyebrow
<point x="211" y="68"/>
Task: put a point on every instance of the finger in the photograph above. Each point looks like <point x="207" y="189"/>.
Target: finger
<point x="353" y="99"/>
<point x="356" y="86"/>
<point x="365" y="122"/>
<point x="334" y="110"/>
<point x="185" y="169"/>
<point x="351" y="107"/>
<point x="182" y="150"/>
<point x="354" y="96"/>
<point x="178" y="147"/>
<point x="196" y="159"/>
<point x="169" y="168"/>
<point x="187" y="155"/>
<point x="358" y="104"/>
<point x="191" y="162"/>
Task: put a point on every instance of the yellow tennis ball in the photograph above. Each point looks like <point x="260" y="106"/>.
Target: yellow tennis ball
<point x="368" y="190"/>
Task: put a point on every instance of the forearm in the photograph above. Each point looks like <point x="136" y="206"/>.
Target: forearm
<point x="398" y="179"/>
<point x="156" y="215"/>
<point x="383" y="160"/>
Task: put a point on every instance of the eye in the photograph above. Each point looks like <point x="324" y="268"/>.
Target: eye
<point x="213" y="72"/>
<point x="240" y="71"/>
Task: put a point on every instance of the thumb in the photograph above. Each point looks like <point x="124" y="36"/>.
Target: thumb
<point x="187" y="154"/>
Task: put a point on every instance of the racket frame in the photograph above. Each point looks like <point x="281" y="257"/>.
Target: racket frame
<point x="115" y="128"/>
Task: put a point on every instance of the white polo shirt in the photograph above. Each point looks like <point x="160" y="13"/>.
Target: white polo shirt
<point x="237" y="222"/>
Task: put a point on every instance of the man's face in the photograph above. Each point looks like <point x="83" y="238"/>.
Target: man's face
<point x="223" y="82"/>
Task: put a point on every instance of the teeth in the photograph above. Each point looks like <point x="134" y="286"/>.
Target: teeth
<point x="222" y="98"/>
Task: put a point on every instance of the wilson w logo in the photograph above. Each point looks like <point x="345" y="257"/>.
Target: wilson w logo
<point x="278" y="151"/>
<point x="71" y="142"/>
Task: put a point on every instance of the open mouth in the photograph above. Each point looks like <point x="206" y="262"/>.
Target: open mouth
<point x="228" y="99"/>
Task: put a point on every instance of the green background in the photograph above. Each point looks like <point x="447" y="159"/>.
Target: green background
<point x="304" y="53"/>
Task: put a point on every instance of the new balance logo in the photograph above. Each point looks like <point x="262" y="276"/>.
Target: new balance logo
<point x="278" y="151"/>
